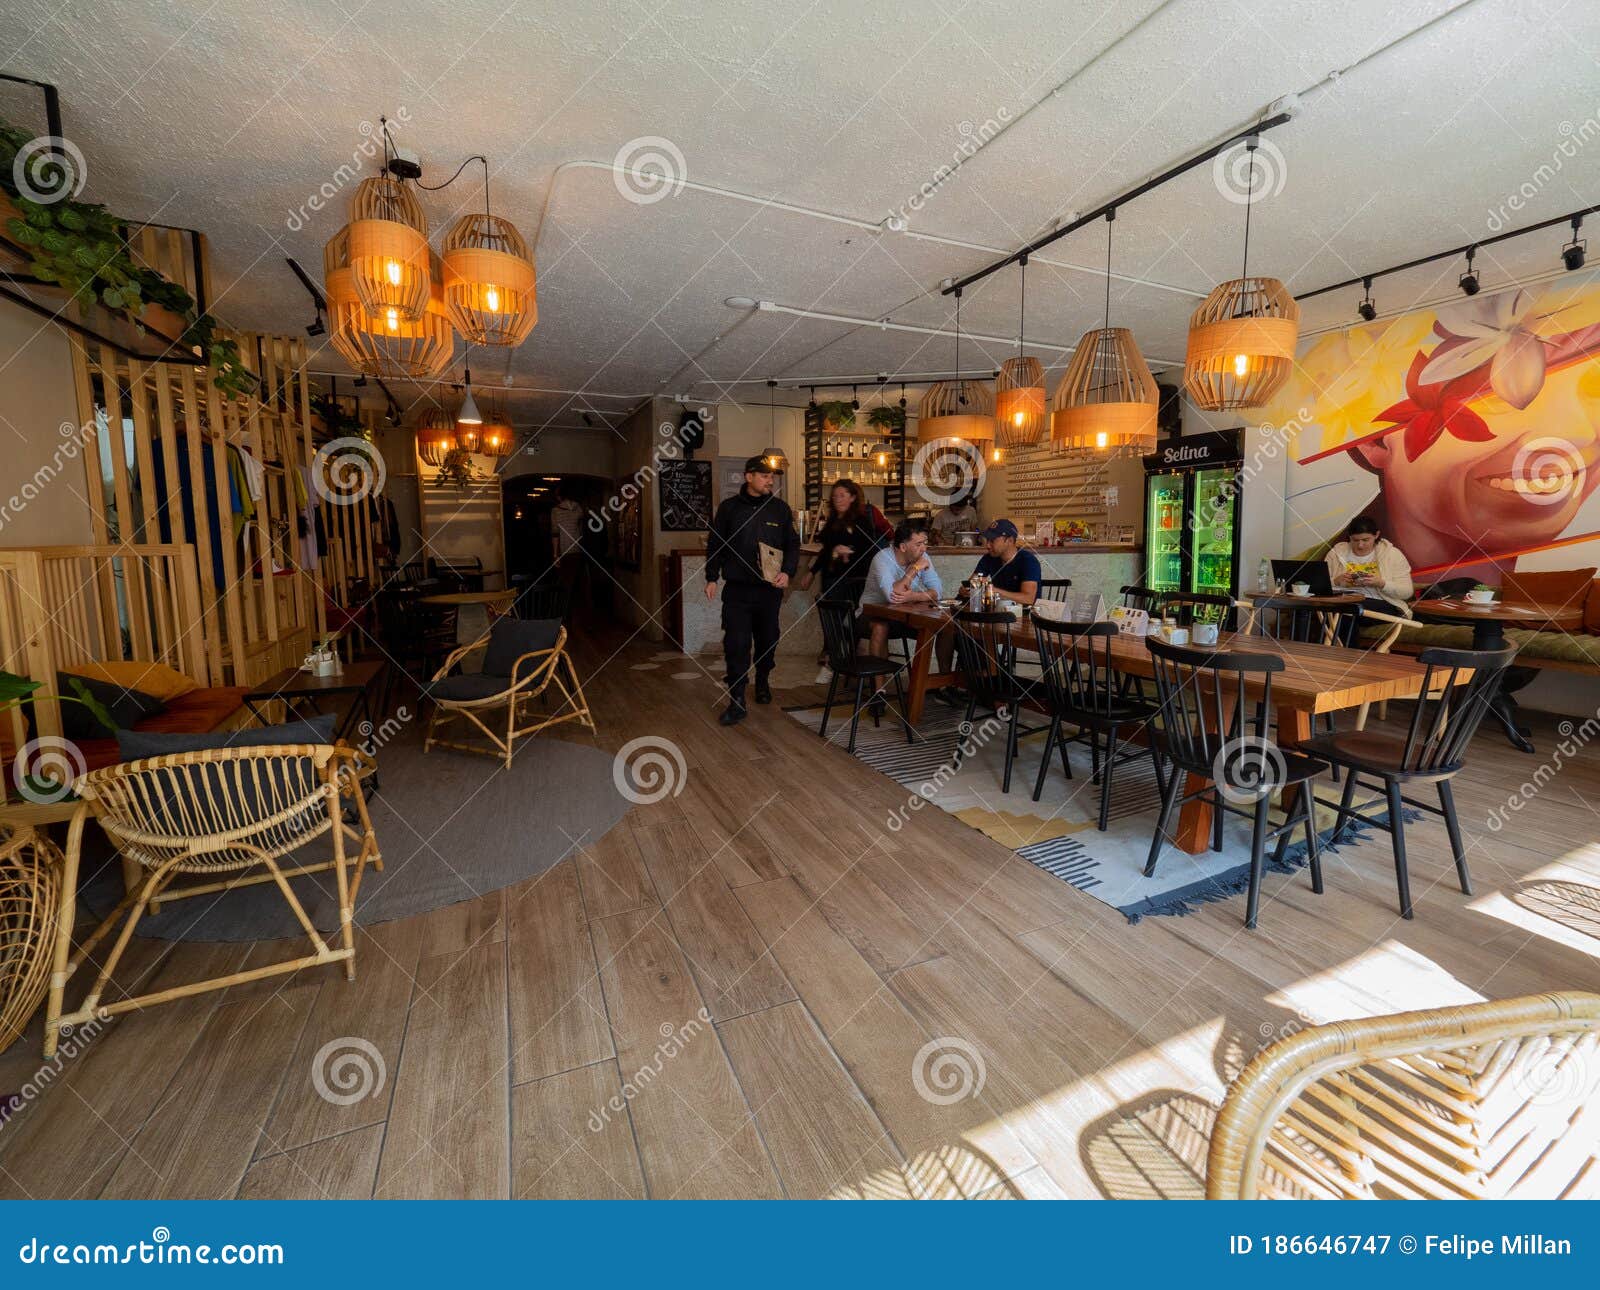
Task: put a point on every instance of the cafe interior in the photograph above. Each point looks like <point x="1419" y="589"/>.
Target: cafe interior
<point x="614" y="604"/>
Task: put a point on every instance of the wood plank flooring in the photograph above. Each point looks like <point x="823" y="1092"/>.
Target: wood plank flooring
<point x="752" y="988"/>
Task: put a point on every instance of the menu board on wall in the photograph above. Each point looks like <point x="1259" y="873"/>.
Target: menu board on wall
<point x="686" y="502"/>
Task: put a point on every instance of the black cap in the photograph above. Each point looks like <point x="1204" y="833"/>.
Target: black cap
<point x="757" y="465"/>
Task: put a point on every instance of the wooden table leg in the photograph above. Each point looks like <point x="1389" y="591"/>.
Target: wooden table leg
<point x="1195" y="817"/>
<point x="917" y="680"/>
<point x="1294" y="728"/>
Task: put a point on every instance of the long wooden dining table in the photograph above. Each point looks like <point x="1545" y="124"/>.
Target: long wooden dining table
<point x="1315" y="679"/>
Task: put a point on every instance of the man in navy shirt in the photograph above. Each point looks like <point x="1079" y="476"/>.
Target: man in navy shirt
<point x="1012" y="569"/>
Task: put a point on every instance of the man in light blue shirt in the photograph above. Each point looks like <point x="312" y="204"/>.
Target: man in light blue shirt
<point x="900" y="574"/>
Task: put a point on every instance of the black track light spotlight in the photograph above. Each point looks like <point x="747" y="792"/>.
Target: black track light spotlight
<point x="1366" y="308"/>
<point x="812" y="406"/>
<point x="855" y="401"/>
<point x="1575" y="252"/>
<point x="902" y="396"/>
<point x="316" y="327"/>
<point x="1468" y="282"/>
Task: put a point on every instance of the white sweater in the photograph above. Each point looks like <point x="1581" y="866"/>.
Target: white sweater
<point x="1393" y="568"/>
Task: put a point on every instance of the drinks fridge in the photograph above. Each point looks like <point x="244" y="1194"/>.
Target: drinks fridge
<point x="1191" y="492"/>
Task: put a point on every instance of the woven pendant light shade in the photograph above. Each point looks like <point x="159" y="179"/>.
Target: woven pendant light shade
<point x="469" y="436"/>
<point x="956" y="410"/>
<point x="497" y="437"/>
<point x="1107" y="399"/>
<point x="489" y="285"/>
<point x="1019" y="404"/>
<point x="1241" y="344"/>
<point x="389" y="249"/>
<point x="436" y="436"/>
<point x="383" y="344"/>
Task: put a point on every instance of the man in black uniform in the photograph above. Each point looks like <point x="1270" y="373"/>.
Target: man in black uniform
<point x="749" y="520"/>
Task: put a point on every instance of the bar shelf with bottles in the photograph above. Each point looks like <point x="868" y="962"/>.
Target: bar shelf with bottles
<point x="832" y="453"/>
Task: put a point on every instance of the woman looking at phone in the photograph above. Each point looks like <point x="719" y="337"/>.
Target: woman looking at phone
<point x="1369" y="563"/>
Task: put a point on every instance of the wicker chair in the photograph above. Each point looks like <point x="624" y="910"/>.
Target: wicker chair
<point x="522" y="660"/>
<point x="225" y="817"/>
<point x="1488" y="1101"/>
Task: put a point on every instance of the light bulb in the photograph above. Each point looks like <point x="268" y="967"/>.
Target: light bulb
<point x="1100" y="440"/>
<point x="392" y="317"/>
<point x="1241" y="365"/>
<point x="391" y="269"/>
<point x="994" y="453"/>
<point x="491" y="297"/>
<point x="1017" y="418"/>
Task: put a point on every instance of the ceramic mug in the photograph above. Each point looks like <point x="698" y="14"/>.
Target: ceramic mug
<point x="1481" y="596"/>
<point x="1301" y="588"/>
<point x="1205" y="633"/>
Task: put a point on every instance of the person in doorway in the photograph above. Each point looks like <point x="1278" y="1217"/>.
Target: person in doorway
<point x="1369" y="563"/>
<point x="961" y="516"/>
<point x="566" y="529"/>
<point x="754" y="548"/>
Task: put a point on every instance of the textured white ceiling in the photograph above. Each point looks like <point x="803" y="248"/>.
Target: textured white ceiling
<point x="228" y="116"/>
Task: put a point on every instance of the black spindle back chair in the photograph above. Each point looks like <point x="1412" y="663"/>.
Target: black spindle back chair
<point x="1191" y="607"/>
<point x="987" y="661"/>
<point x="1213" y="705"/>
<point x="1140" y="598"/>
<point x="1054" y="588"/>
<point x="1433" y="750"/>
<point x="838" y="619"/>
<point x="1288" y="618"/>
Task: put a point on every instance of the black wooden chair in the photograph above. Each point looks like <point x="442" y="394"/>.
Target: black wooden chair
<point x="1079" y="687"/>
<point x="1140" y="598"/>
<point x="1191" y="607"/>
<point x="838" y="618"/>
<point x="1054" y="588"/>
<point x="1288" y="618"/>
<point x="542" y="601"/>
<point x="1204" y="702"/>
<point x="1433" y="751"/>
<point x="987" y="660"/>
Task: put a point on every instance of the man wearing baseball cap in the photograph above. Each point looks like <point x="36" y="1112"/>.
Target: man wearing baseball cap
<point x="1012" y="569"/>
<point x="754" y="547"/>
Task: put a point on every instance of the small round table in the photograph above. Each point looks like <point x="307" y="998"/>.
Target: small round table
<point x="1488" y="633"/>
<point x="459" y="598"/>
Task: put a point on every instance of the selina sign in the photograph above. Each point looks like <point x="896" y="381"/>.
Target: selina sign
<point x="1210" y="449"/>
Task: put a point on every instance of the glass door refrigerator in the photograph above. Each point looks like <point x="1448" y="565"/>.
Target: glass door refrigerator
<point x="1192" y="514"/>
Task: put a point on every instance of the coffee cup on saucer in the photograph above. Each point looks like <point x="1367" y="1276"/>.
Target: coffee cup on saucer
<point x="1300" y="589"/>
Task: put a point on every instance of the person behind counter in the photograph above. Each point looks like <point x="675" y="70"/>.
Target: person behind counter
<point x="900" y="574"/>
<point x="961" y="516"/>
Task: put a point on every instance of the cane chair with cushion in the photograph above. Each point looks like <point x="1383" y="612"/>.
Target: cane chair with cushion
<point x="1486" y="1101"/>
<point x="209" y="821"/>
<point x="1079" y="688"/>
<point x="1288" y="618"/>
<point x="838" y="619"/>
<point x="1207" y="733"/>
<point x="1446" y="716"/>
<point x="987" y="660"/>
<point x="522" y="661"/>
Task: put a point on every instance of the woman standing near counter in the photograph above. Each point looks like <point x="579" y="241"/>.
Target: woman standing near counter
<point x="852" y="535"/>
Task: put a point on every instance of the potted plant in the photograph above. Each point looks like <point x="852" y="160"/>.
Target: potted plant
<point x="456" y="468"/>
<point x="329" y="415"/>
<point x="17" y="690"/>
<point x="888" y="420"/>
<point x="837" y="414"/>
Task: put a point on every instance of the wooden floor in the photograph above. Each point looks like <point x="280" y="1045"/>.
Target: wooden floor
<point x="754" y="988"/>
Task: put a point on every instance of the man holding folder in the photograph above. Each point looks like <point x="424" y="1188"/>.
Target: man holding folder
<point x="755" y="548"/>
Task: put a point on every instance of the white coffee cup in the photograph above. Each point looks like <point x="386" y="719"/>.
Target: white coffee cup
<point x="1205" y="633"/>
<point x="1481" y="596"/>
<point x="1300" y="588"/>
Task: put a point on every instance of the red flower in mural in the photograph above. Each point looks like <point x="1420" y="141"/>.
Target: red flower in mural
<point x="1428" y="411"/>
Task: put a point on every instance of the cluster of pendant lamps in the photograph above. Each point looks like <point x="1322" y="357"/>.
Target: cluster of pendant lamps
<point x="1240" y="352"/>
<point x="395" y="305"/>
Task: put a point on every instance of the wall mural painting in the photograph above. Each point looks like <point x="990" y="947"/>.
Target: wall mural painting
<point x="1468" y="431"/>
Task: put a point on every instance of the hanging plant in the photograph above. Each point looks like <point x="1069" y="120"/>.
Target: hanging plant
<point x="82" y="248"/>
<point x="889" y="419"/>
<point x="456" y="468"/>
<point x="838" y="413"/>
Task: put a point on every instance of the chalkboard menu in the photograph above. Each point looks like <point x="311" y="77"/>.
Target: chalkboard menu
<point x="685" y="496"/>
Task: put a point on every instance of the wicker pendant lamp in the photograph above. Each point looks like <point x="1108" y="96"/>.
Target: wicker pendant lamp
<point x="436" y="435"/>
<point x="1242" y="337"/>
<point x="389" y="249"/>
<point x="1019" y="402"/>
<point x="957" y="409"/>
<point x="383" y="344"/>
<point x="489" y="285"/>
<point x="1107" y="399"/>
<point x="497" y="436"/>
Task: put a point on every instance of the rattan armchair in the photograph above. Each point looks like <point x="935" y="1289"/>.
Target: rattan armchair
<point x="513" y="676"/>
<point x="1486" y="1101"/>
<point x="224" y="818"/>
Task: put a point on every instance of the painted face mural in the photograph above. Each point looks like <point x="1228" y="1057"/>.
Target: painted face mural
<point x="1477" y="424"/>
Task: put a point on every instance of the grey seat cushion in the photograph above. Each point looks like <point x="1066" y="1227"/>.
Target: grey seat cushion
<point x="511" y="638"/>
<point x="468" y="686"/>
<point x="134" y="745"/>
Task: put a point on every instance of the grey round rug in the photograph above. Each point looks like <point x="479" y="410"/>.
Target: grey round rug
<point x="450" y="826"/>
